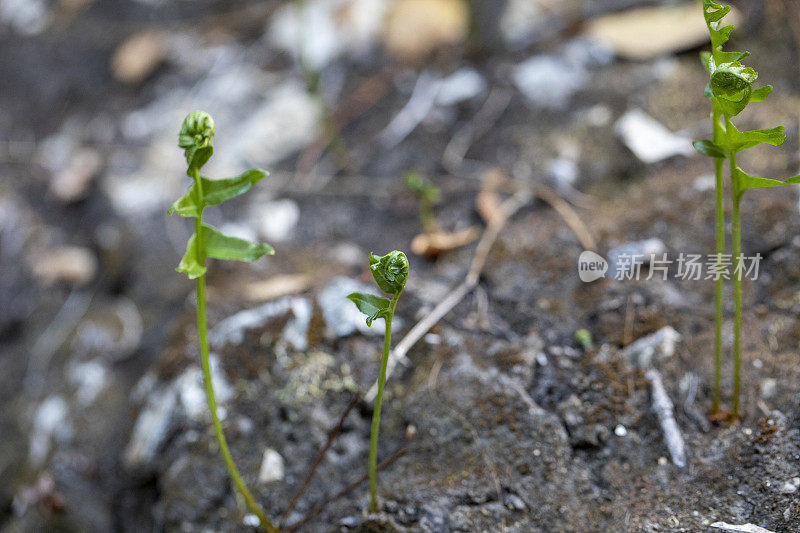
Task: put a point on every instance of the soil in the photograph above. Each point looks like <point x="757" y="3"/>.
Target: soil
<point x="500" y="421"/>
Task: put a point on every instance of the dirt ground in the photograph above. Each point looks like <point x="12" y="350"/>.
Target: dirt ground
<point x="499" y="420"/>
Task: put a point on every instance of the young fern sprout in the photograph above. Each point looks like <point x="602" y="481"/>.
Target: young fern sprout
<point x="428" y="195"/>
<point x="391" y="273"/>
<point x="195" y="138"/>
<point x="730" y="89"/>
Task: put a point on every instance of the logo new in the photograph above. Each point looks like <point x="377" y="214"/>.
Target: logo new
<point x="591" y="266"/>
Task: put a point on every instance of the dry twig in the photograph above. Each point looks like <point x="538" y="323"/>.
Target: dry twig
<point x="663" y="407"/>
<point x="570" y="216"/>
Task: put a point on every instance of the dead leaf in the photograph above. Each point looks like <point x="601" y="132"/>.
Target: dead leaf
<point x="138" y="56"/>
<point x="276" y="287"/>
<point x="75" y="265"/>
<point x="416" y="28"/>
<point x="434" y="244"/>
<point x="648" y="32"/>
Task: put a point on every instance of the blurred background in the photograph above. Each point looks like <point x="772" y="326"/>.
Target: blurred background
<point x="369" y="114"/>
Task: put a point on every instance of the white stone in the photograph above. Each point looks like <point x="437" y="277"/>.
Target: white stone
<point x="648" y="139"/>
<point x="272" y="467"/>
<point x="90" y="378"/>
<point x="277" y="219"/>
<point x="232" y="329"/>
<point x="658" y="345"/>
<point x="743" y="528"/>
<point x="49" y="423"/>
<point x="151" y="427"/>
<point x="341" y="316"/>
<point x="462" y="85"/>
<point x="791" y="486"/>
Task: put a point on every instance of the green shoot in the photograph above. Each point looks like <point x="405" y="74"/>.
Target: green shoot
<point x="195" y="138"/>
<point x="584" y="339"/>
<point x="391" y="273"/>
<point x="730" y="89"/>
<point x="428" y="195"/>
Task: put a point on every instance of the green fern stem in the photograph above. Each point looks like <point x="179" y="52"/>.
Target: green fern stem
<point x="376" y="414"/>
<point x="202" y="332"/>
<point x="719" y="282"/>
<point x="736" y="237"/>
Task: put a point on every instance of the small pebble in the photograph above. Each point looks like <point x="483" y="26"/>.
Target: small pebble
<point x="433" y="338"/>
<point x="620" y="431"/>
<point x="512" y="501"/>
<point x="71" y="183"/>
<point x="272" y="468"/>
<point x="791" y="486"/>
<point x="662" y="461"/>
<point x="71" y="264"/>
<point x="278" y="219"/>
<point x="768" y="388"/>
<point x="250" y="520"/>
<point x="349" y="522"/>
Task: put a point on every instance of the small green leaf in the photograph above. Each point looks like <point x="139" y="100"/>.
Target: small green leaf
<point x="390" y="271"/>
<point x="713" y="11"/>
<point x="189" y="264"/>
<point x="373" y="306"/>
<point x="423" y="188"/>
<point x="732" y="85"/>
<point x="197" y="156"/>
<point x="187" y="205"/>
<point x="743" y="140"/>
<point x="216" y="191"/>
<point x="759" y="95"/>
<point x="708" y="148"/>
<point x="720" y="36"/>
<point x="731" y="57"/>
<point x="221" y="246"/>
<point x="706" y="60"/>
<point x="745" y="181"/>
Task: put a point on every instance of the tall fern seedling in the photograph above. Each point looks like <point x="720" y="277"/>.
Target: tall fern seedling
<point x="195" y="138"/>
<point x="391" y="274"/>
<point x="730" y="89"/>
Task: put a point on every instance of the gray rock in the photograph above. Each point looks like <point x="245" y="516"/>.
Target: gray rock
<point x="27" y="17"/>
<point x="341" y="316"/>
<point x="791" y="486"/>
<point x="524" y="22"/>
<point x="277" y="219"/>
<point x="272" y="467"/>
<point x="71" y="183"/>
<point x="165" y="404"/>
<point x="659" y="345"/>
<point x="462" y="85"/>
<point x="50" y="422"/>
<point x="512" y="501"/>
<point x="150" y="429"/>
<point x="581" y="434"/>
<point x="550" y="80"/>
<point x="89" y="378"/>
<point x="232" y="329"/>
<point x="648" y="139"/>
